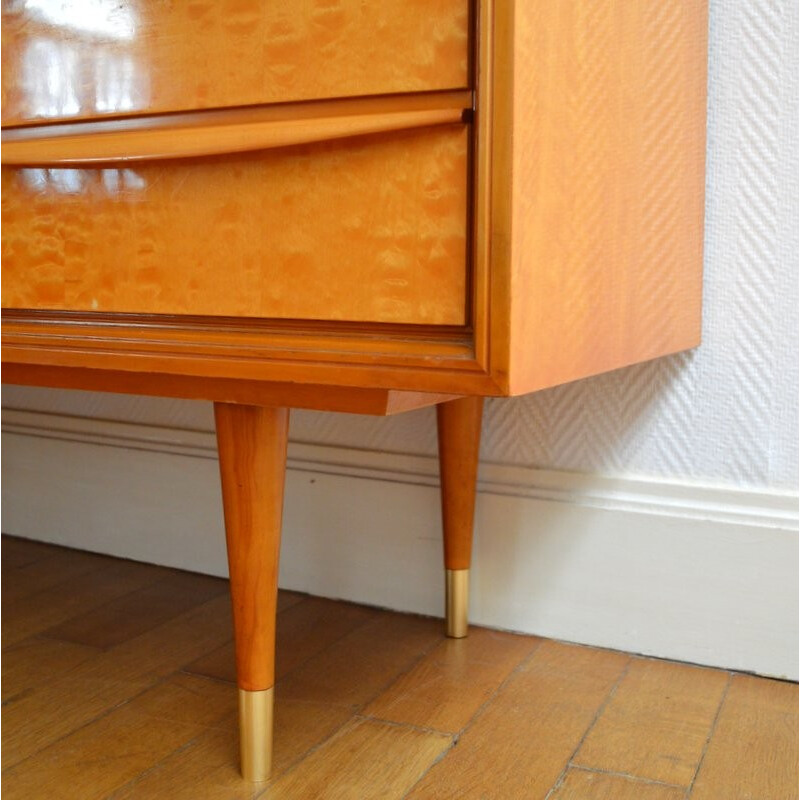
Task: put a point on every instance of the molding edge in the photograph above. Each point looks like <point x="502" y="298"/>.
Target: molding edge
<point x="713" y="503"/>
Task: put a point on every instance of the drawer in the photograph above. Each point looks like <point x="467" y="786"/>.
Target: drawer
<point x="68" y="61"/>
<point x="367" y="229"/>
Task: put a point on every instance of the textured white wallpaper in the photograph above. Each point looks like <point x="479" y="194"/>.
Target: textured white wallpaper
<point x="725" y="413"/>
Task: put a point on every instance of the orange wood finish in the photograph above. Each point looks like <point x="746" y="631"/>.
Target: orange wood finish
<point x="352" y="400"/>
<point x="368" y="230"/>
<point x="204" y="133"/>
<point x="459" y="426"/>
<point x="593" y="174"/>
<point x="252" y="458"/>
<point x="584" y="252"/>
<point x="68" y="61"/>
<point x="552" y="232"/>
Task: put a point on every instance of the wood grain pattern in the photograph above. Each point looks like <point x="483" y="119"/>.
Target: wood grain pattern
<point x="210" y="759"/>
<point x="93" y="761"/>
<point x="221" y="118"/>
<point x="34" y="662"/>
<point x="374" y="401"/>
<point x="597" y="185"/>
<point x="753" y="752"/>
<point x="301" y="632"/>
<point x="642" y="733"/>
<point x="60" y="707"/>
<point x="139" y="57"/>
<point x="387" y="646"/>
<point x="63" y="566"/>
<point x="446" y="688"/>
<point x="366" y="759"/>
<point x="33" y="614"/>
<point x="139" y="611"/>
<point x="362" y="230"/>
<point x="459" y="430"/>
<point x="529" y="731"/>
<point x="252" y="445"/>
<point x="115" y="723"/>
<point x="586" y="231"/>
<point x="580" y="784"/>
<point x="120" y="147"/>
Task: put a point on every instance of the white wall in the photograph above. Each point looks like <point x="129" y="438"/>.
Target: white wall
<point x="722" y="416"/>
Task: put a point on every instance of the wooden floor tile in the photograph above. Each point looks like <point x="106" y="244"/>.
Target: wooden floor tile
<point x="353" y="670"/>
<point x="446" y="688"/>
<point x="366" y="760"/>
<point x="31" y="615"/>
<point x="369" y="703"/>
<point x="16" y="552"/>
<point x="212" y="760"/>
<point x="753" y="753"/>
<point x="582" y="784"/>
<point x="104" y="755"/>
<point x="61" y="567"/>
<point x="139" y="611"/>
<point x="53" y="711"/>
<point x="521" y="742"/>
<point x="302" y="630"/>
<point x="657" y="724"/>
<point x="114" y="676"/>
<point x="167" y="648"/>
<point x="309" y="628"/>
<point x="300" y="726"/>
<point x="205" y="769"/>
<point x="191" y="700"/>
<point x="35" y="662"/>
<point x="287" y="599"/>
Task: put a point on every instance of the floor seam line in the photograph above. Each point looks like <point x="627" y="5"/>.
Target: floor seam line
<point x="711" y="731"/>
<point x="600" y="709"/>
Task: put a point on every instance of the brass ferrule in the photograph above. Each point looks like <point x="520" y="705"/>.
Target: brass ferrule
<point x="457" y="602"/>
<point x="255" y="733"/>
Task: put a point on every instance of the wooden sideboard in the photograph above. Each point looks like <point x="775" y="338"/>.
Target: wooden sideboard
<point x="365" y="207"/>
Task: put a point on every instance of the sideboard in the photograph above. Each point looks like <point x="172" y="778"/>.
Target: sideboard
<point x="363" y="207"/>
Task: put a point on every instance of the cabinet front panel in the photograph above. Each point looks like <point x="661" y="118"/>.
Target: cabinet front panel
<point x="66" y="60"/>
<point x="372" y="229"/>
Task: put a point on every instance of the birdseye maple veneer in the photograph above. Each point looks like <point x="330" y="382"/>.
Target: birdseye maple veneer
<point x="364" y="207"/>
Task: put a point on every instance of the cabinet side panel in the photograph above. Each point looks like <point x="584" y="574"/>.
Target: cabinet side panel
<point x="608" y="185"/>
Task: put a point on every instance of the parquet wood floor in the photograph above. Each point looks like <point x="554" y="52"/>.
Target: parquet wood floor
<point x="118" y="683"/>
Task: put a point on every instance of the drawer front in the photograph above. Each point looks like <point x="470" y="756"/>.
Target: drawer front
<point x="62" y="61"/>
<point x="371" y="229"/>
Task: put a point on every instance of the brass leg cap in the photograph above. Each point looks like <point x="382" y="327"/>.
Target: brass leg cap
<point x="457" y="602"/>
<point x="255" y="733"/>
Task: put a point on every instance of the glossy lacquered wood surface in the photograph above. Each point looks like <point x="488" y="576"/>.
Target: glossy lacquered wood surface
<point x="459" y="430"/>
<point x="252" y="445"/>
<point x="584" y="230"/>
<point x="204" y="133"/>
<point x="75" y="61"/>
<point x="368" y="229"/>
<point x="597" y="185"/>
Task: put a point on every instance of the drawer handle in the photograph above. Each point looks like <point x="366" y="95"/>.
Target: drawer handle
<point x="198" y="134"/>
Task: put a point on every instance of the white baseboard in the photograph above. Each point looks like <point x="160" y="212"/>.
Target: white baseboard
<point x="695" y="573"/>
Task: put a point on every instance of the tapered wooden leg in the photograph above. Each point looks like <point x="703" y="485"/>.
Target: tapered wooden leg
<point x="459" y="423"/>
<point x="252" y="459"/>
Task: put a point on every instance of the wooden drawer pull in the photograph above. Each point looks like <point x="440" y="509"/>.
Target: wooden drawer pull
<point x="217" y="133"/>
